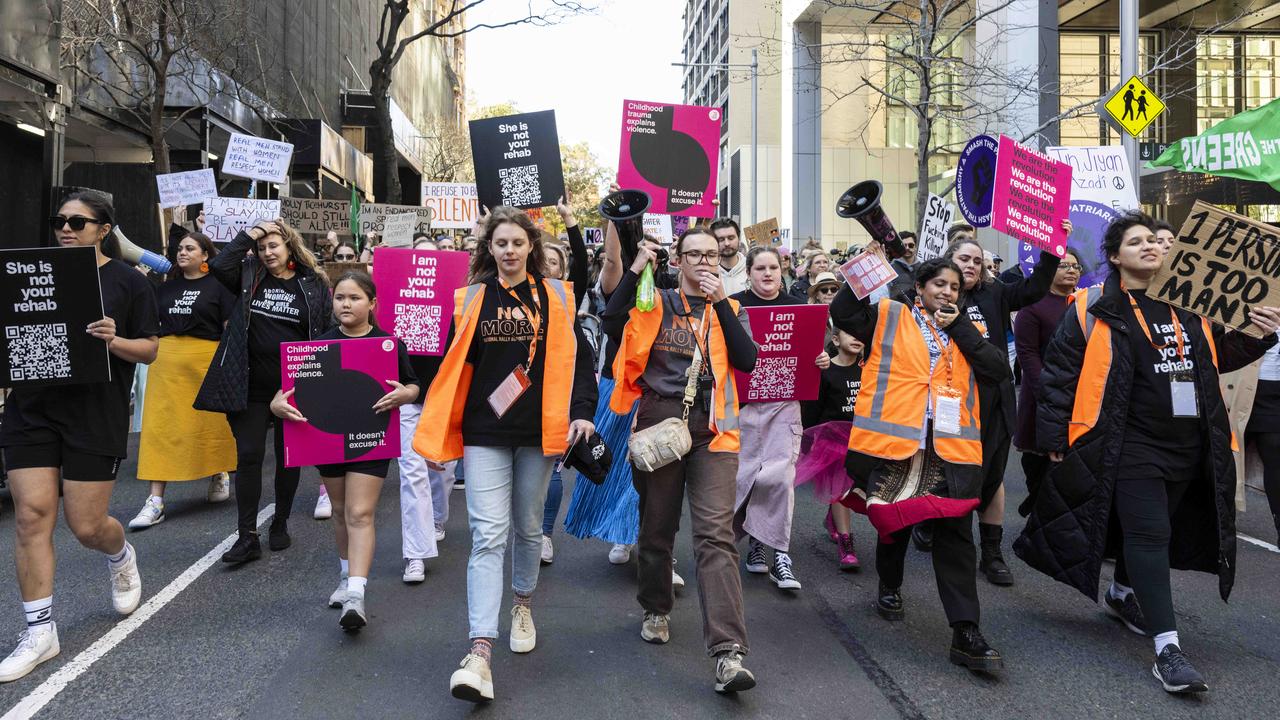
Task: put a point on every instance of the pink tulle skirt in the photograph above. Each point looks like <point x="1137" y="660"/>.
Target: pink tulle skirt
<point x="822" y="453"/>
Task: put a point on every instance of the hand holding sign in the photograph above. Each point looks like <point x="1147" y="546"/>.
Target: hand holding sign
<point x="1267" y="319"/>
<point x="281" y="408"/>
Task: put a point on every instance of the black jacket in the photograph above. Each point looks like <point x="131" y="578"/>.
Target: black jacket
<point x="1066" y="534"/>
<point x="226" y="386"/>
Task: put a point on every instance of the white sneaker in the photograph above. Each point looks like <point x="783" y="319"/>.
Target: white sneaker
<point x="548" y="551"/>
<point x="524" y="637"/>
<point x="339" y="596"/>
<point x="676" y="580"/>
<point x="126" y="583"/>
<point x="620" y="554"/>
<point x="324" y="509"/>
<point x="415" y="571"/>
<point x="35" y="645"/>
<point x="152" y="513"/>
<point x="219" y="488"/>
<point x="439" y="532"/>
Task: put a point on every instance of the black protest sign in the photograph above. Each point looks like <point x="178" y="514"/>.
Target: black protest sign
<point x="1221" y="266"/>
<point x="517" y="160"/>
<point x="48" y="297"/>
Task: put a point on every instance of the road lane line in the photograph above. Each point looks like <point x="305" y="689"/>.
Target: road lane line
<point x="1260" y="543"/>
<point x="57" y="682"/>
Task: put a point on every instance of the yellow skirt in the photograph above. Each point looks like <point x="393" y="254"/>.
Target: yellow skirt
<point x="179" y="442"/>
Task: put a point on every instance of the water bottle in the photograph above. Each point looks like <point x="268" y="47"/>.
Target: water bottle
<point x="644" y="289"/>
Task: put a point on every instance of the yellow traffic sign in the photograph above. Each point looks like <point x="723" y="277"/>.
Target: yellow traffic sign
<point x="1134" y="106"/>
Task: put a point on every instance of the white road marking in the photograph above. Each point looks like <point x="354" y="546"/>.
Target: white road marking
<point x="1253" y="541"/>
<point x="57" y="682"/>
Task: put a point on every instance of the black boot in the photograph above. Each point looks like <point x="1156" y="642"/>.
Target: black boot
<point x="922" y="536"/>
<point x="969" y="649"/>
<point x="992" y="563"/>
<point x="889" y="603"/>
<point x="278" y="538"/>
<point x="245" y="549"/>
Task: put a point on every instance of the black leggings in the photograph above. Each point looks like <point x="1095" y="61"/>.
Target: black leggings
<point x="249" y="428"/>
<point x="1143" y="506"/>
<point x="1268" y="446"/>
<point x="955" y="565"/>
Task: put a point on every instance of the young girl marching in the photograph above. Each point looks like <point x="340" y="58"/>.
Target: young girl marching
<point x="354" y="486"/>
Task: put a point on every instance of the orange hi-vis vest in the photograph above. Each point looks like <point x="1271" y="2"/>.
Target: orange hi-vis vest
<point x="633" y="356"/>
<point x="438" y="437"/>
<point x="896" y="390"/>
<point x="1092" y="384"/>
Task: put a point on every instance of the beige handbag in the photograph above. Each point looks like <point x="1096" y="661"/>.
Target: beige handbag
<point x="669" y="440"/>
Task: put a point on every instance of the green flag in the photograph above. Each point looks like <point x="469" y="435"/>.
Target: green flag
<point x="1246" y="146"/>
<point x="355" y="218"/>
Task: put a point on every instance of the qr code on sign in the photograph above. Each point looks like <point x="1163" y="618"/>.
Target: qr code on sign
<point x="419" y="327"/>
<point x="520" y="185"/>
<point x="773" y="378"/>
<point x="38" y="352"/>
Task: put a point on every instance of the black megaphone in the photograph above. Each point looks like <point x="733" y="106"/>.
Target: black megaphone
<point x="625" y="209"/>
<point x="862" y="203"/>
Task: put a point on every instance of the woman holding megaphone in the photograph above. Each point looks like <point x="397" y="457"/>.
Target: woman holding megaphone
<point x="69" y="440"/>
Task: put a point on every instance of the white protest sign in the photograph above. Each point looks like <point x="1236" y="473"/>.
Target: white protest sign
<point x="224" y="217"/>
<point x="659" y="226"/>
<point x="373" y="216"/>
<point x="456" y="205"/>
<point x="256" y="158"/>
<point x="186" y="188"/>
<point x="397" y="229"/>
<point x="1099" y="174"/>
<point x="933" y="230"/>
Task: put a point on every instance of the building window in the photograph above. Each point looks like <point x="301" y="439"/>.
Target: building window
<point x="1082" y="58"/>
<point x="1262" y="71"/>
<point x="902" y="130"/>
<point x="1215" y="81"/>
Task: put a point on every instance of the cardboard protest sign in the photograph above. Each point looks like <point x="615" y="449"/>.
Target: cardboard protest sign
<point x="335" y="384"/>
<point x="1032" y="196"/>
<point x="257" y="158"/>
<point x="659" y="226"/>
<point x="1089" y="221"/>
<point x="671" y="152"/>
<point x="517" y="160"/>
<point x="1099" y="174"/>
<point x="790" y="340"/>
<point x="335" y="270"/>
<point x="1221" y="265"/>
<point x="456" y="206"/>
<point x="398" y="229"/>
<point x="866" y="272"/>
<point x="186" y="188"/>
<point x="224" y="217"/>
<point x="762" y="233"/>
<point x="307" y="215"/>
<point x="47" y="298"/>
<point x="373" y="216"/>
<point x="415" y="295"/>
<point x="932" y="241"/>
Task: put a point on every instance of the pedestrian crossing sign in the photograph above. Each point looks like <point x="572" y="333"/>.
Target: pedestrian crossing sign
<point x="1134" y="106"/>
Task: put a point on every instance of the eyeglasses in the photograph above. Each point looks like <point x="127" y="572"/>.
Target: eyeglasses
<point x="1071" y="266"/>
<point x="697" y="258"/>
<point x="76" y="222"/>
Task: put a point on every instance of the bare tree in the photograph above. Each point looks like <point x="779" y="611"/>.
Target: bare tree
<point x="448" y="155"/>
<point x="449" y="22"/>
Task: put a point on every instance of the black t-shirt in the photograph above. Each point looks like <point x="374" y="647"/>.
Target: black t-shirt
<point x="975" y="315"/>
<point x="837" y="392"/>
<point x="405" y="366"/>
<point x="277" y="314"/>
<point x="500" y="343"/>
<point x="1157" y="444"/>
<point x="90" y="418"/>
<point x="196" y="308"/>
<point x="747" y="298"/>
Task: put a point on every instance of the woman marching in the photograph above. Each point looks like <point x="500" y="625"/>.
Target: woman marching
<point x="68" y="441"/>
<point x="179" y="443"/>
<point x="282" y="298"/>
<point x="1131" y="407"/>
<point x="771" y="433"/>
<point x="354" y="487"/>
<point x="915" y="447"/>
<point x="514" y="392"/>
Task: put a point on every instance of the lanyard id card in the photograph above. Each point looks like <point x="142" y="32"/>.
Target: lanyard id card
<point x="1182" y="390"/>
<point x="509" y="391"/>
<point x="946" y="411"/>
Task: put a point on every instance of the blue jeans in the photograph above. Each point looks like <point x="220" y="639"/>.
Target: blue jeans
<point x="555" y="494"/>
<point x="506" y="488"/>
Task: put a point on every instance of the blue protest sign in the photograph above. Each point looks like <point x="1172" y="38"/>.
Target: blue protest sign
<point x="975" y="180"/>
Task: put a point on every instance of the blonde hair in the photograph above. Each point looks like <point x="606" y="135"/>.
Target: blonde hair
<point x="298" y="250"/>
<point x="564" y="257"/>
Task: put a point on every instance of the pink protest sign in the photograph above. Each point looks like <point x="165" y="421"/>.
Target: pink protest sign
<point x="866" y="272"/>
<point x="415" y="295"/>
<point x="671" y="152"/>
<point x="1032" y="196"/>
<point x="790" y="340"/>
<point x="335" y="384"/>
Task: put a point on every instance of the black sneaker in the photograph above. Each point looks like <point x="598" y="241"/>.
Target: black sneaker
<point x="246" y="548"/>
<point x="922" y="536"/>
<point x="889" y="603"/>
<point x="757" y="559"/>
<point x="780" y="572"/>
<point x="1126" y="611"/>
<point x="1176" y="673"/>
<point x="278" y="538"/>
<point x="969" y="649"/>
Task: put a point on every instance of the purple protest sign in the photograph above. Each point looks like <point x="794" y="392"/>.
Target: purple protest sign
<point x="1089" y="220"/>
<point x="335" y="384"/>
<point x="1032" y="196"/>
<point x="790" y="339"/>
<point x="975" y="174"/>
<point x="415" y="295"/>
<point x="671" y="152"/>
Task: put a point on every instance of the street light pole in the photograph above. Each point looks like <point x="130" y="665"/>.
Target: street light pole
<point x="754" y="67"/>
<point x="1129" y="68"/>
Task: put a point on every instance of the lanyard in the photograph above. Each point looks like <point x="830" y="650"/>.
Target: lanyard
<point x="533" y="317"/>
<point x="695" y="330"/>
<point x="1142" y="322"/>
<point x="943" y="348"/>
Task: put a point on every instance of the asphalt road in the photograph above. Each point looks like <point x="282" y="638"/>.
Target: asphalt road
<point x="259" y="641"/>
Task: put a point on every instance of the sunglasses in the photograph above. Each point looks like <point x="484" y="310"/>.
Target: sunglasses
<point x="828" y="290"/>
<point x="76" y="222"/>
<point x="344" y="256"/>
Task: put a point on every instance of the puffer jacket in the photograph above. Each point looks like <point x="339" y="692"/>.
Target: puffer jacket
<point x="1067" y="532"/>
<point x="226" y="385"/>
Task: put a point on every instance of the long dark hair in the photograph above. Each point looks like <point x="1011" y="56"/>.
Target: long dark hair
<point x="483" y="264"/>
<point x="365" y="283"/>
<point x="206" y="246"/>
<point x="103" y="212"/>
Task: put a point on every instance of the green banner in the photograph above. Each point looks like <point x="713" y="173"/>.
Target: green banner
<point x="1246" y="146"/>
<point x="355" y="218"/>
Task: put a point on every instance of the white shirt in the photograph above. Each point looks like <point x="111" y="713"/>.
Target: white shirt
<point x="1270" y="368"/>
